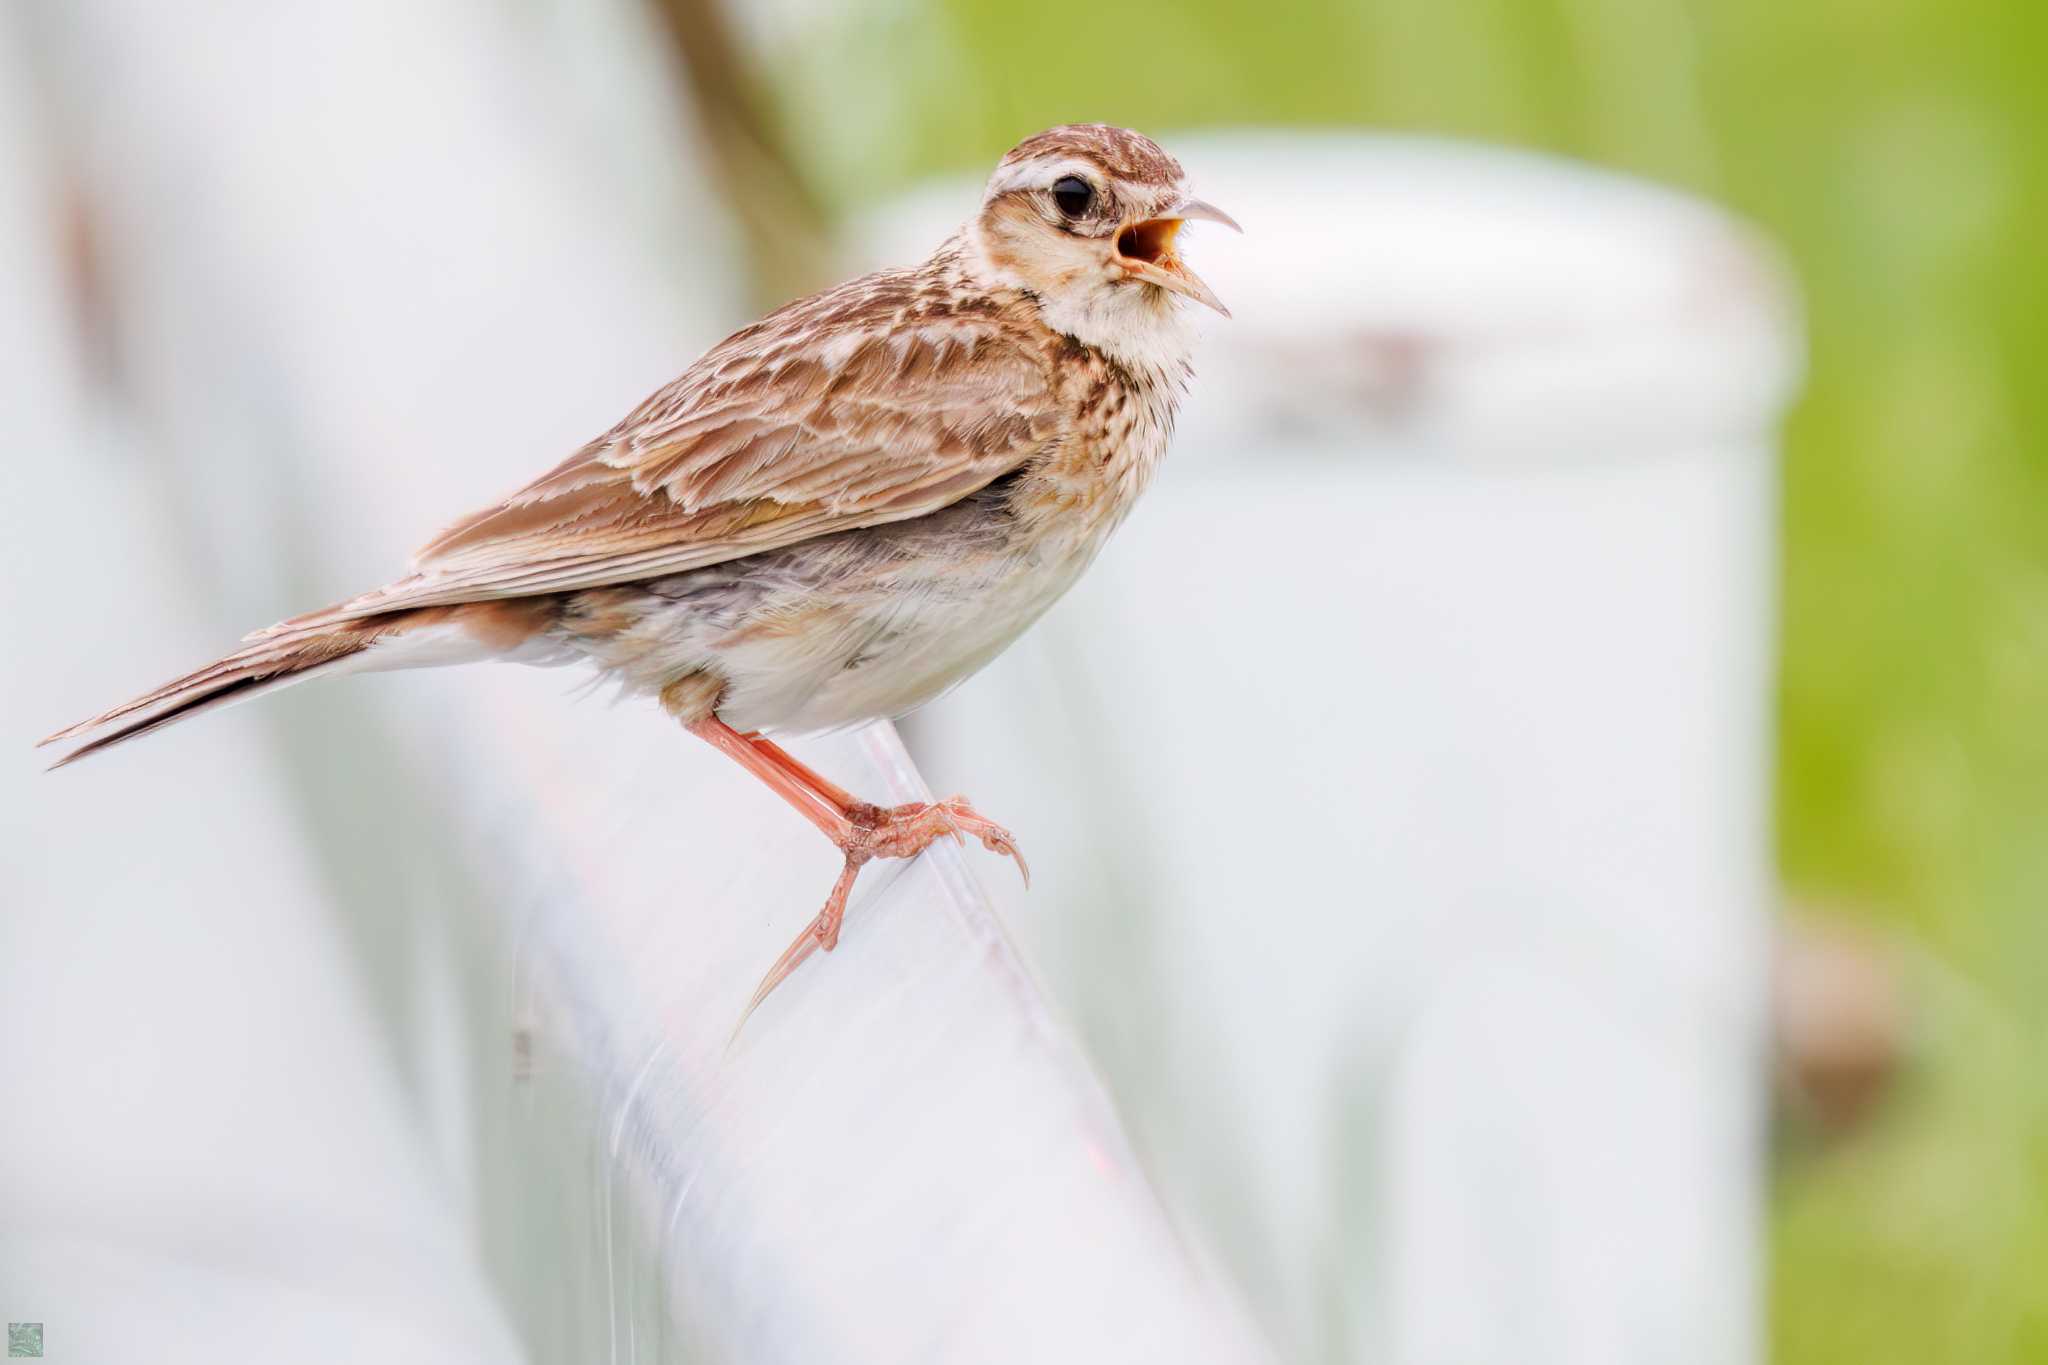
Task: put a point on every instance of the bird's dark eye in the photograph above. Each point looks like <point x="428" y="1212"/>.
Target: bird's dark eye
<point x="1072" y="195"/>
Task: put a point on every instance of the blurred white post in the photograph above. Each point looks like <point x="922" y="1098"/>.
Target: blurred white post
<point x="452" y="960"/>
<point x="1400" y="775"/>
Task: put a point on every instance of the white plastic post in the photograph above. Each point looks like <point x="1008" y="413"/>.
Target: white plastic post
<point x="1400" y="774"/>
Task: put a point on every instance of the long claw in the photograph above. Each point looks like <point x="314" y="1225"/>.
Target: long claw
<point x="792" y="957"/>
<point x="821" y="932"/>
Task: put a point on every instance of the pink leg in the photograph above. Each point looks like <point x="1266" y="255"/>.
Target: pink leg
<point x="784" y="759"/>
<point x="857" y="828"/>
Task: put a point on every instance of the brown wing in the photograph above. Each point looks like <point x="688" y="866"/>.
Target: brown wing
<point x="843" y="410"/>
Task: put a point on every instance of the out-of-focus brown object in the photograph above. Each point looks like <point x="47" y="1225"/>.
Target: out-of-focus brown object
<point x="1840" y="1022"/>
<point x="783" y="223"/>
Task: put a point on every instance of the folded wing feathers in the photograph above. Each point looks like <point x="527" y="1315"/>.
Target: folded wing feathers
<point x="812" y="422"/>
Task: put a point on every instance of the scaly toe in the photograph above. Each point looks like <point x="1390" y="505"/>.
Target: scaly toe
<point x="963" y="817"/>
<point x="906" y="831"/>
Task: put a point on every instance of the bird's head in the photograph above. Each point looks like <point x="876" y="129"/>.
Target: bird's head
<point x="1086" y="217"/>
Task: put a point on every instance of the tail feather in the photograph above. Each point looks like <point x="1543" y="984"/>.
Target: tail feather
<point x="432" y="635"/>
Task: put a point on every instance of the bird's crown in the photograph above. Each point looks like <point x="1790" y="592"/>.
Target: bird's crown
<point x="1118" y="153"/>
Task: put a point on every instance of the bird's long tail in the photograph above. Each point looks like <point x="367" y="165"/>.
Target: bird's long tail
<point x="406" y="639"/>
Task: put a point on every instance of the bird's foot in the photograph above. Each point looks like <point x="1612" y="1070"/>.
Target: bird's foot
<point x="906" y="831"/>
<point x="882" y="832"/>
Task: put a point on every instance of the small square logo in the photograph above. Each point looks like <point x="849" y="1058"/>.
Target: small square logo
<point x="25" y="1339"/>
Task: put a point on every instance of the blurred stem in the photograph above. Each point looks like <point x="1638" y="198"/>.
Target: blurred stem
<point x="782" y="222"/>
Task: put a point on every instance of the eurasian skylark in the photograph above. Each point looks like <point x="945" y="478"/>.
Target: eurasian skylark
<point x="834" y="515"/>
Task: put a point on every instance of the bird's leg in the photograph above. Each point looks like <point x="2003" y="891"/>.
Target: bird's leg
<point x="898" y="831"/>
<point x="788" y="762"/>
<point x="824" y="805"/>
<point x="859" y="829"/>
<point x="893" y="825"/>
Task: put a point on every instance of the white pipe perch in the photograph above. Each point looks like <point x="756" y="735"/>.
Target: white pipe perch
<point x="369" y="265"/>
<point x="1400" y="775"/>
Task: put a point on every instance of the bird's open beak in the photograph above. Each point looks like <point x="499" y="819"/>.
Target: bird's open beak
<point x="1145" y="250"/>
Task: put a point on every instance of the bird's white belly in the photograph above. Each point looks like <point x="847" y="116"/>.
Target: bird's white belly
<point x="850" y="660"/>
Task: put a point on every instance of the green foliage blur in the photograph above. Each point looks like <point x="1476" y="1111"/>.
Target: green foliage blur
<point x="1898" y="149"/>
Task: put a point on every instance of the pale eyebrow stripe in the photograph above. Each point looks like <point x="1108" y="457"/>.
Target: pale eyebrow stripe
<point x="1041" y="170"/>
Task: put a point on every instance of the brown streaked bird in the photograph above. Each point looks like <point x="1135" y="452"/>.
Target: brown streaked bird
<point x="834" y="515"/>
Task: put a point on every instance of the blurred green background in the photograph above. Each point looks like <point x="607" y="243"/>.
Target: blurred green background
<point x="1898" y="149"/>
